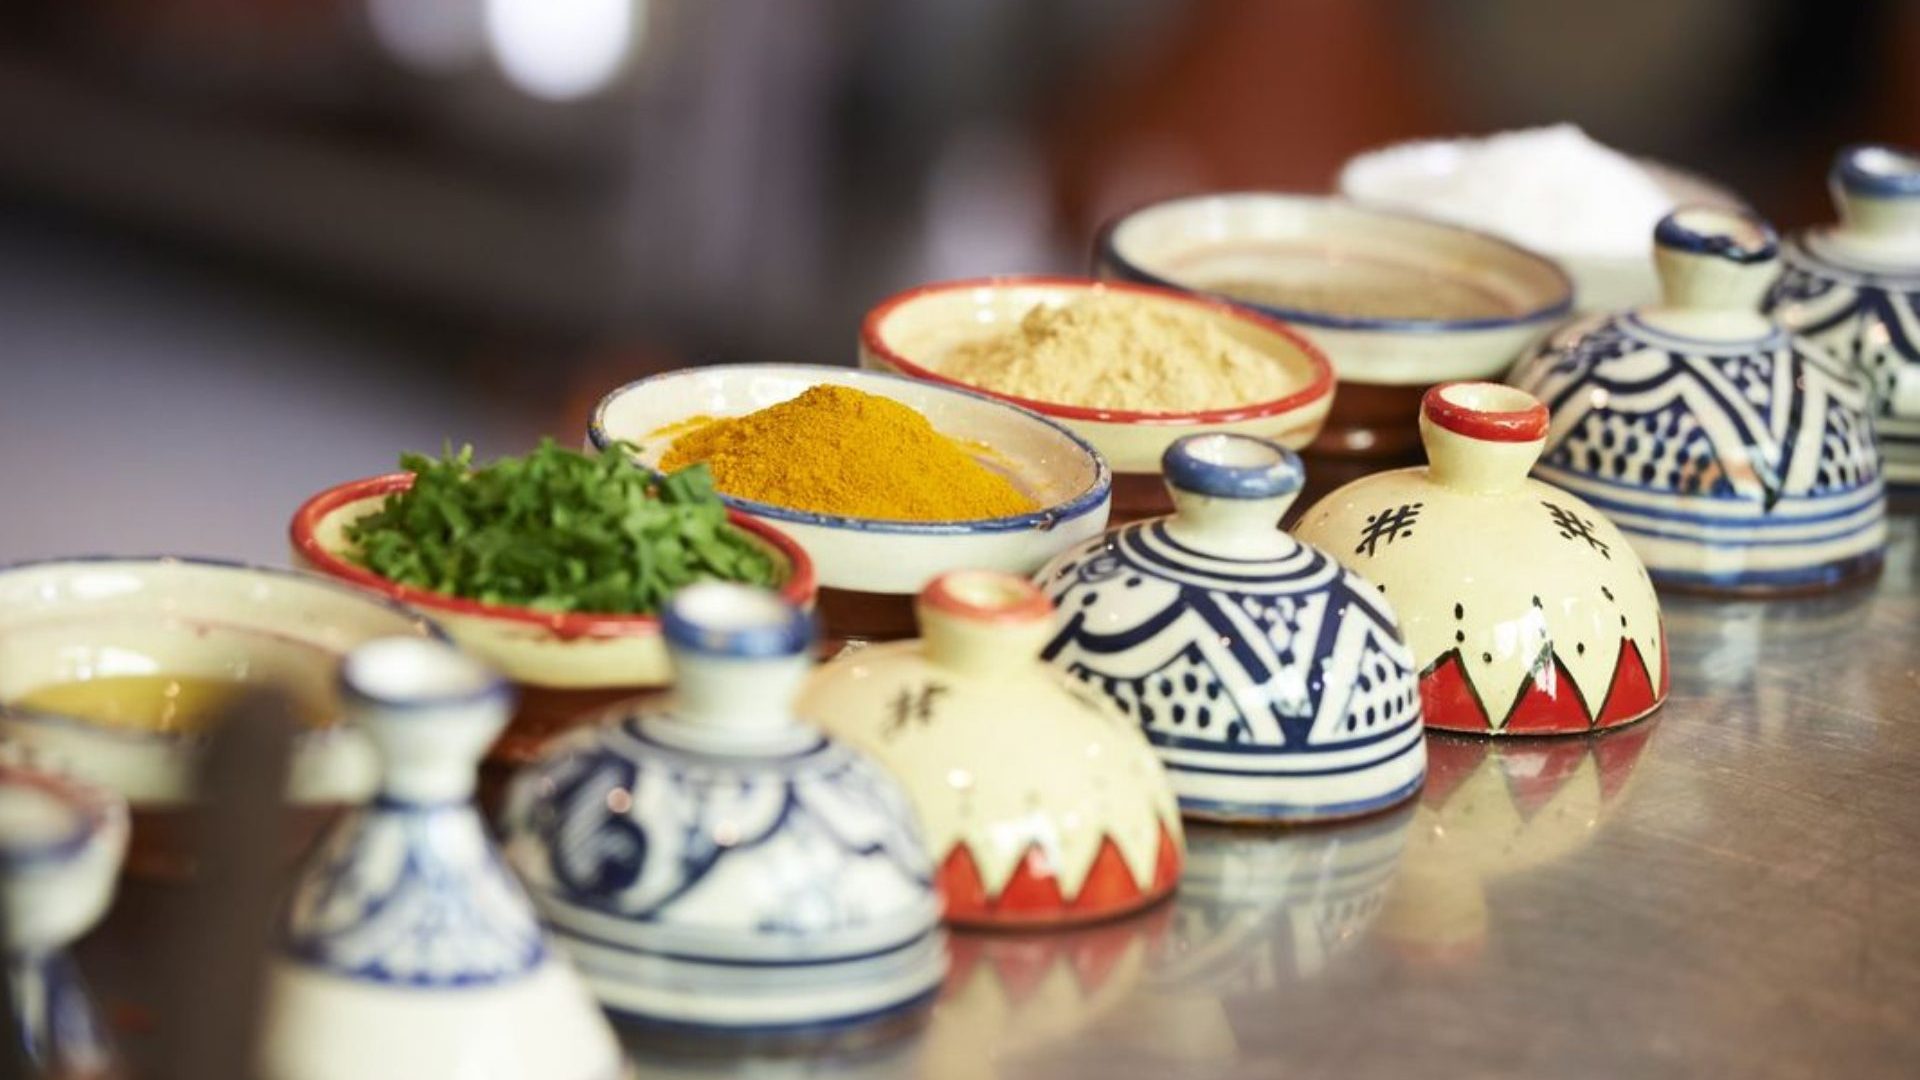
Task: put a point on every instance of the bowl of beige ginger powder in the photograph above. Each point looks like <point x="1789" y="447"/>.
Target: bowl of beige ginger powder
<point x="1130" y="368"/>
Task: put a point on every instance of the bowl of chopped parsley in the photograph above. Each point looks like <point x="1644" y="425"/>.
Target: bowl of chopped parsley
<point x="552" y="566"/>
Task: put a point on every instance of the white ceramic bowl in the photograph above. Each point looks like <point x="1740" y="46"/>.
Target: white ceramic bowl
<point x="1601" y="282"/>
<point x="912" y="332"/>
<point x="87" y="618"/>
<point x="1201" y="241"/>
<point x="1065" y="475"/>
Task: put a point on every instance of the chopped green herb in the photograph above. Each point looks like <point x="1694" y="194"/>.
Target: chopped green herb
<point x="556" y="530"/>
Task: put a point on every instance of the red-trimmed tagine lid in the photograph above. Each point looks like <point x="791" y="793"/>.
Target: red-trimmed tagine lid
<point x="1042" y="804"/>
<point x="1527" y="612"/>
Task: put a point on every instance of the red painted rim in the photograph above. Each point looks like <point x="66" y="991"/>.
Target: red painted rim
<point x="304" y="532"/>
<point x="1515" y="425"/>
<point x="946" y="594"/>
<point x="1321" y="385"/>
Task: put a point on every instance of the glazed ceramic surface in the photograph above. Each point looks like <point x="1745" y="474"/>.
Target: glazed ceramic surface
<point x="74" y="619"/>
<point x="912" y="333"/>
<point x="408" y="951"/>
<point x="1736" y="458"/>
<point x="1199" y="242"/>
<point x="1527" y="611"/>
<point x="1854" y="288"/>
<point x="1041" y="802"/>
<point x="716" y="863"/>
<point x="1058" y="469"/>
<point x="562" y="650"/>
<point x="61" y="842"/>
<point x="1274" y="684"/>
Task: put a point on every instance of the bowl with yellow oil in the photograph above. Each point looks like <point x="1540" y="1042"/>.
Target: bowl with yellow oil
<point x="116" y="667"/>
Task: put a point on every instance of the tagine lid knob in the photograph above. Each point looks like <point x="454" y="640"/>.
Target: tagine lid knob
<point x="1876" y="189"/>
<point x="1715" y="266"/>
<point x="1481" y="436"/>
<point x="430" y="710"/>
<point x="1230" y="492"/>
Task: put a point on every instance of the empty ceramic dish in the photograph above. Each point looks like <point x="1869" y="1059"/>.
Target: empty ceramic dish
<point x="1735" y="457"/>
<point x="1041" y="802"/>
<point x="61" y="842"/>
<point x="1527" y="611"/>
<point x="1854" y="288"/>
<point x="1398" y="303"/>
<point x="408" y="951"/>
<point x="1273" y="683"/>
<point x="715" y="863"/>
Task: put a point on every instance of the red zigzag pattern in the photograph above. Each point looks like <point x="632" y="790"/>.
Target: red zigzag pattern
<point x="1032" y="896"/>
<point x="1549" y="703"/>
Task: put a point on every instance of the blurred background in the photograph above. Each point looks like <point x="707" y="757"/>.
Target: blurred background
<point x="249" y="248"/>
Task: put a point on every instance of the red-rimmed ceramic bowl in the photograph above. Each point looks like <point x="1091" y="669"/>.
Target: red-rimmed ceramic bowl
<point x="913" y="331"/>
<point x="566" y="663"/>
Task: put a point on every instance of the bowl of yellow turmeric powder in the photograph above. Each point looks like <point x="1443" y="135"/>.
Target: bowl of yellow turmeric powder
<point x="1130" y="368"/>
<point x="885" y="481"/>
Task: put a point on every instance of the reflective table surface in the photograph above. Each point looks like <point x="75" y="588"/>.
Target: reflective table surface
<point x="1729" y="889"/>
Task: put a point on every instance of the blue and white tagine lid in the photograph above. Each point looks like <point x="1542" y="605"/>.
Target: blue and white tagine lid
<point x="61" y="842"/>
<point x="1735" y="456"/>
<point x="1273" y="683"/>
<point x="408" y="950"/>
<point x="1853" y="287"/>
<point x="714" y="863"/>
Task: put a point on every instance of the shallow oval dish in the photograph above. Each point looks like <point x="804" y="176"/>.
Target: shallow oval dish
<point x="913" y="331"/>
<point x="72" y="619"/>
<point x="1058" y="469"/>
<point x="1200" y="242"/>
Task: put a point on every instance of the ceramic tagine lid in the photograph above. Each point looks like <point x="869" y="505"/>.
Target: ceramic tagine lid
<point x="1527" y="612"/>
<point x="1273" y="683"/>
<point x="61" y="843"/>
<point x="408" y="950"/>
<point x="1854" y="288"/>
<point x="1735" y="458"/>
<point x="1041" y="802"/>
<point x="714" y="862"/>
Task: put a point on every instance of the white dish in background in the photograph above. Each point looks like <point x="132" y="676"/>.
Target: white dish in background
<point x="1060" y="471"/>
<point x="1610" y="268"/>
<point x="73" y="619"/>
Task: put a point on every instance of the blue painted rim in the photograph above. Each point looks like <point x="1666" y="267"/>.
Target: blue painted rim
<point x="1188" y="469"/>
<point x="304" y="577"/>
<point x="1829" y="573"/>
<point x="789" y="635"/>
<point x="1675" y="236"/>
<point x="823" y="1026"/>
<point x="1280" y="813"/>
<point x="73" y="796"/>
<point x="1854" y="171"/>
<point x="1107" y="257"/>
<point x="1080" y="505"/>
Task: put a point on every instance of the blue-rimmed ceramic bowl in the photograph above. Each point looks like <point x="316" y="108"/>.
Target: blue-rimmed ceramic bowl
<point x="1060" y="471"/>
<point x="1398" y="303"/>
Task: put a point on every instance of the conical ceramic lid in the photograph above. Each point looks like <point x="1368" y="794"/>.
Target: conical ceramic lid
<point x="1041" y="802"/>
<point x="714" y="862"/>
<point x="1735" y="457"/>
<point x="1527" y="611"/>
<point x="1853" y="288"/>
<point x="409" y="951"/>
<point x="1273" y="683"/>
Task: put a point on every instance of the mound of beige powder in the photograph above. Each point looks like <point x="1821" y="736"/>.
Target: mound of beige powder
<point x="1116" y="352"/>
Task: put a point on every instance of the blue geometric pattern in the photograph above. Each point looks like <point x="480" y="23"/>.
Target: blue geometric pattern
<point x="415" y="896"/>
<point x="631" y="826"/>
<point x="1293" y="654"/>
<point x="1758" y="421"/>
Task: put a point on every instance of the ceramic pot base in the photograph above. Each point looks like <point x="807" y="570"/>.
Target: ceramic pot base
<point x="1853" y="573"/>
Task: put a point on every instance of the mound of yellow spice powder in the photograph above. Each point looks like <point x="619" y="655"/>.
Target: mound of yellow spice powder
<point x="1118" y="352"/>
<point x="837" y="450"/>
